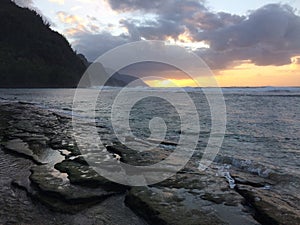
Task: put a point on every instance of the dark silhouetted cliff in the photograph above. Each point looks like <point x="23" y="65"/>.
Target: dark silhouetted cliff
<point x="33" y="55"/>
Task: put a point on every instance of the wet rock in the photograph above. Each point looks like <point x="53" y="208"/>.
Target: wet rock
<point x="31" y="133"/>
<point x="180" y="206"/>
<point x="82" y="174"/>
<point x="207" y="185"/>
<point x="36" y="150"/>
<point x="250" y="179"/>
<point x="164" y="142"/>
<point x="246" y="166"/>
<point x="64" y="152"/>
<point x="59" y="142"/>
<point x="20" y="147"/>
<point x="138" y="158"/>
<point x="190" y="197"/>
<point x="55" y="190"/>
<point x="164" y="207"/>
<point x="271" y="208"/>
<point x="208" y="192"/>
<point x="19" y="207"/>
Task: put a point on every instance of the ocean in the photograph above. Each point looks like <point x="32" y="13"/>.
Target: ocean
<point x="262" y="129"/>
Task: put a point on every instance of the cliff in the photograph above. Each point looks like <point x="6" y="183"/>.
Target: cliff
<point x="31" y="54"/>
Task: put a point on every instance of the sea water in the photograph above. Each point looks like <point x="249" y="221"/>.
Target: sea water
<point x="262" y="131"/>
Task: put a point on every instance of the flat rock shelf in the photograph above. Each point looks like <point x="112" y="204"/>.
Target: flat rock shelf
<point x="45" y="180"/>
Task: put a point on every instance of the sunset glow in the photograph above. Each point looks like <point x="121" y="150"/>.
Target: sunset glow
<point x="247" y="44"/>
<point x="248" y="74"/>
<point x="172" y="83"/>
<point x="243" y="75"/>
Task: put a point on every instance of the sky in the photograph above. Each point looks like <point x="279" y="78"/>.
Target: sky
<point x="244" y="43"/>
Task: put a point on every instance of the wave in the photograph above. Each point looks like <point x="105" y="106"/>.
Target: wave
<point x="262" y="89"/>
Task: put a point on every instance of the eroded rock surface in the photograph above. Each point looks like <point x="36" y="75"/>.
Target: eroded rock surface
<point x="45" y="179"/>
<point x="32" y="191"/>
<point x="191" y="198"/>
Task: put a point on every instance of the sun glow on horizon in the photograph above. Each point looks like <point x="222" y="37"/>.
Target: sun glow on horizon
<point x="171" y="83"/>
<point x="244" y="75"/>
<point x="248" y="74"/>
<point x="96" y="26"/>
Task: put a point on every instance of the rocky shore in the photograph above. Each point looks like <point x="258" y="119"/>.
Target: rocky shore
<point x="45" y="180"/>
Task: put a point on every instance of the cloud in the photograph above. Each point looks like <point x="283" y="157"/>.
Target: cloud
<point x="132" y="5"/>
<point x="75" y="30"/>
<point x="296" y="60"/>
<point x="24" y="3"/>
<point x="267" y="36"/>
<point x="94" y="45"/>
<point x="86" y="1"/>
<point x="68" y="19"/>
<point x="145" y="69"/>
<point x="92" y="18"/>
<point x="172" y="17"/>
<point x="76" y="24"/>
<point x="133" y="32"/>
<point x="161" y="29"/>
<point x="61" y="2"/>
<point x="175" y="15"/>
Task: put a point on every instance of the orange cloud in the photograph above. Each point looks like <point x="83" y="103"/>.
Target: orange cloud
<point x="75" y="24"/>
<point x="75" y="30"/>
<point x="69" y="19"/>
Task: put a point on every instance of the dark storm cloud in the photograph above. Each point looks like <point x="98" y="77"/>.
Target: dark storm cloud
<point x="145" y="69"/>
<point x="189" y="14"/>
<point x="94" y="45"/>
<point x="172" y="16"/>
<point x="131" y="5"/>
<point x="160" y="30"/>
<point x="272" y="25"/>
<point x="206" y="21"/>
<point x="232" y="57"/>
<point x="132" y="30"/>
<point x="267" y="36"/>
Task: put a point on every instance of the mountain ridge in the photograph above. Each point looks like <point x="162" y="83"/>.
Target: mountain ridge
<point x="31" y="54"/>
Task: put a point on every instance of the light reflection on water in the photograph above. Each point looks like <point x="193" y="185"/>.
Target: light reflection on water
<point x="263" y="124"/>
